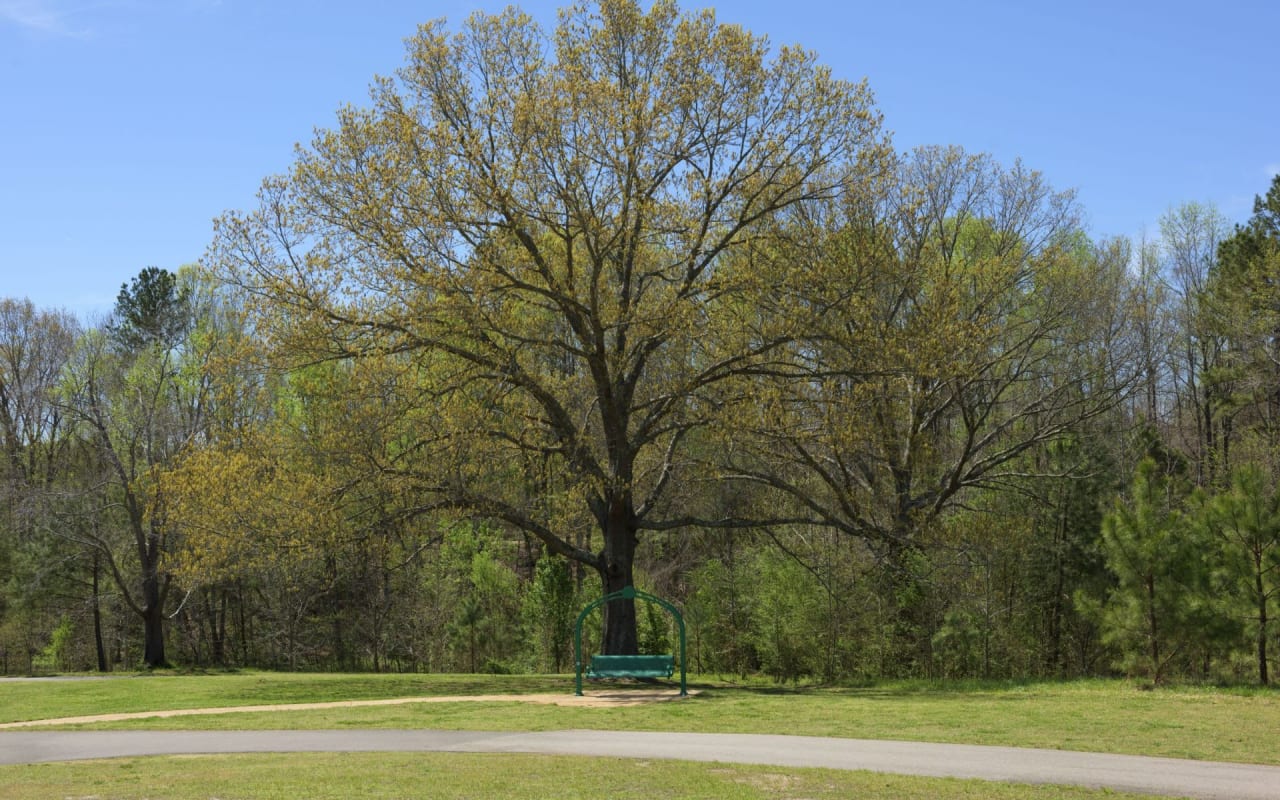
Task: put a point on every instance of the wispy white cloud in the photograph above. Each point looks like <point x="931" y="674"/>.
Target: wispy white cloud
<point x="40" y="16"/>
<point x="90" y="19"/>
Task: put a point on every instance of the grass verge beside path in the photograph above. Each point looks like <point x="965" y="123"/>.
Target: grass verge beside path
<point x="1103" y="716"/>
<point x="41" y="699"/>
<point x="376" y="775"/>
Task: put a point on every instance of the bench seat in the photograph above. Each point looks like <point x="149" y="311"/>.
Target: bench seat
<point x="641" y="666"/>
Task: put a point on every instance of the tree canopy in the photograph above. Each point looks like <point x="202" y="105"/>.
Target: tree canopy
<point x="540" y="236"/>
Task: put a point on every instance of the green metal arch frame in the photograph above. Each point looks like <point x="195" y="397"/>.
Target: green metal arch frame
<point x="626" y="593"/>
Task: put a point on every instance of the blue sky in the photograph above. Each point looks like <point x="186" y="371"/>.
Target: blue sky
<point x="127" y="125"/>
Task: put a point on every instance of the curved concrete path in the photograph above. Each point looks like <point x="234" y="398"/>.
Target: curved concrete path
<point x="1163" y="776"/>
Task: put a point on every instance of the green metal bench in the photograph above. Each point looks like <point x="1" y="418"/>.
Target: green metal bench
<point x="648" y="666"/>
<point x="645" y="666"/>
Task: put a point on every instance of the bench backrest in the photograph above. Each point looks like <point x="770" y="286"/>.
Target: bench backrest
<point x="635" y="662"/>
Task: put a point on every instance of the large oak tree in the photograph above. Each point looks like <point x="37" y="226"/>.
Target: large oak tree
<point x="536" y="233"/>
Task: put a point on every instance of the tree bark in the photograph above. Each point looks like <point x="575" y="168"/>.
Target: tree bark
<point x="1261" y="592"/>
<point x="1153" y="629"/>
<point x="153" y="621"/>
<point x="219" y="628"/>
<point x="1056" y="609"/>
<point x="616" y="573"/>
<point x="97" y="617"/>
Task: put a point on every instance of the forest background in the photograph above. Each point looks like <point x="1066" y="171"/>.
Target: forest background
<point x="643" y="301"/>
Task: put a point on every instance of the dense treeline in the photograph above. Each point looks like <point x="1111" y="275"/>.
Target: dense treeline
<point x="644" y="302"/>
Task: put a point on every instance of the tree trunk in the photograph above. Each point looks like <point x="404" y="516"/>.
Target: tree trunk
<point x="219" y="644"/>
<point x="1152" y="629"/>
<point x="1056" y="610"/>
<point x="1261" y="593"/>
<point x="97" y="617"/>
<point x="243" y="627"/>
<point x="153" y="623"/>
<point x="1210" y="443"/>
<point x="616" y="573"/>
<point x="903" y="587"/>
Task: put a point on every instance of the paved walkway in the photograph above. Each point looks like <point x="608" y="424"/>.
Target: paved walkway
<point x="1163" y="776"/>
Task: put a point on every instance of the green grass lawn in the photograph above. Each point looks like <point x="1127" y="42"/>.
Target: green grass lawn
<point x="43" y="699"/>
<point x="1108" y="716"/>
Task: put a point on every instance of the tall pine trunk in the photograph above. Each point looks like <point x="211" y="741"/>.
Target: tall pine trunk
<point x="1261" y="594"/>
<point x="1153" y="630"/>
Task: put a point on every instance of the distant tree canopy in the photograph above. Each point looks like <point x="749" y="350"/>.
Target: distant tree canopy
<point x="152" y="308"/>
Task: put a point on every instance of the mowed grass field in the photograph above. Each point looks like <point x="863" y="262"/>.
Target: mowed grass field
<point x="1107" y="716"/>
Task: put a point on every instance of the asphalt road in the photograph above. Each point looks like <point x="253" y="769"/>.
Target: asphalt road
<point x="1163" y="776"/>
